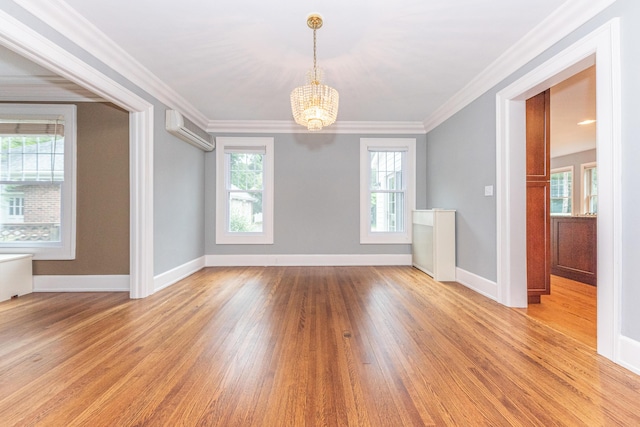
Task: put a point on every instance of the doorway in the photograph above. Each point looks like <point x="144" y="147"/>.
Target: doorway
<point x="32" y="45"/>
<point x="600" y="49"/>
<point x="570" y="298"/>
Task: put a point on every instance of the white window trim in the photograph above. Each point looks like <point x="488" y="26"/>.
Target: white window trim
<point x="583" y="186"/>
<point x="66" y="248"/>
<point x="366" y="236"/>
<point x="224" y="237"/>
<point x="573" y="188"/>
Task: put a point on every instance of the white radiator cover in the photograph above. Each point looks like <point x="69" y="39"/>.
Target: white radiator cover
<point x="15" y="275"/>
<point x="434" y="243"/>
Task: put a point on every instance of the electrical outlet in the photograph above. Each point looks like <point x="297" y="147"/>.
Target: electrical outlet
<point x="488" y="190"/>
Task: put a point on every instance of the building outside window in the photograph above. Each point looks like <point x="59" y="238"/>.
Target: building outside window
<point x="12" y="206"/>
<point x="387" y="189"/>
<point x="562" y="191"/>
<point x="37" y="180"/>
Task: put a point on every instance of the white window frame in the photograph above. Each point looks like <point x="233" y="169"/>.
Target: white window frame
<point x="573" y="188"/>
<point x="223" y="236"/>
<point x="584" y="205"/>
<point x="389" y="144"/>
<point x="16" y="217"/>
<point x="66" y="248"/>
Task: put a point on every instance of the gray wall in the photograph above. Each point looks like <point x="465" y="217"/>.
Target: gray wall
<point x="317" y="197"/>
<point x="458" y="184"/>
<point x="461" y="157"/>
<point x="178" y="199"/>
<point x="575" y="160"/>
<point x="178" y="167"/>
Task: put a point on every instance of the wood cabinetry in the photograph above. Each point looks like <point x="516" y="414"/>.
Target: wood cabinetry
<point x="538" y="196"/>
<point x="434" y="243"/>
<point x="574" y="252"/>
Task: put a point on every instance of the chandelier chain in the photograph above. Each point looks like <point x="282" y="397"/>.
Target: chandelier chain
<point x="315" y="66"/>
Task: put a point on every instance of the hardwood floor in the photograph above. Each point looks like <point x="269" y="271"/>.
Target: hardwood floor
<point x="570" y="309"/>
<point x="294" y="346"/>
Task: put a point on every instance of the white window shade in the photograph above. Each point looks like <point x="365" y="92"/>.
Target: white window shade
<point x="246" y="150"/>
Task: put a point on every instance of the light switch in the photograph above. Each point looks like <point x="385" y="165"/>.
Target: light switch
<point x="488" y="190"/>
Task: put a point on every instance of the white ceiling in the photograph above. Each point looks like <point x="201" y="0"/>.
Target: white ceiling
<point x="573" y="101"/>
<point x="390" y="61"/>
<point x="239" y="60"/>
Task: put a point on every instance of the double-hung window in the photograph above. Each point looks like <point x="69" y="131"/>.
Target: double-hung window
<point x="37" y="180"/>
<point x="387" y="189"/>
<point x="244" y="190"/>
<point x="562" y="191"/>
<point x="590" y="188"/>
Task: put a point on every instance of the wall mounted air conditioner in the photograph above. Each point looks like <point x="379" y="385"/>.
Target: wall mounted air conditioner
<point x="177" y="125"/>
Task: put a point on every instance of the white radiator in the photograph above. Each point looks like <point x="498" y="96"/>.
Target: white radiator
<point x="434" y="243"/>
<point x="15" y="275"/>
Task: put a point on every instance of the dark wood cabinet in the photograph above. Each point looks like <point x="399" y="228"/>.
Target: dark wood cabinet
<point x="538" y="197"/>
<point x="574" y="252"/>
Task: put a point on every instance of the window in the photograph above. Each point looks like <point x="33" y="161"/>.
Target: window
<point x="37" y="180"/>
<point x="13" y="207"/>
<point x="387" y="189"/>
<point x="562" y="191"/>
<point x="589" y="188"/>
<point x="244" y="190"/>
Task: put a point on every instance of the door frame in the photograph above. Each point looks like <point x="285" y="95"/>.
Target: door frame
<point x="22" y="39"/>
<point x="602" y="48"/>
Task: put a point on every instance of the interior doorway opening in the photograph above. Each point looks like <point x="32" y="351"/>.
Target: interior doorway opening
<point x="569" y="304"/>
<point x="600" y="48"/>
<point x="32" y="45"/>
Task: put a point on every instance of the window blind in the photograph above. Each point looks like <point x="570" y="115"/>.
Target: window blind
<point x="31" y="127"/>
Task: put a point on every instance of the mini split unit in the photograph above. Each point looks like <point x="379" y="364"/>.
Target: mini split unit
<point x="177" y="125"/>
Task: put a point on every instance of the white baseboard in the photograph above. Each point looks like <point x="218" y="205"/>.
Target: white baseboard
<point x="178" y="273"/>
<point x="629" y="354"/>
<point x="103" y="283"/>
<point x="479" y="284"/>
<point x="306" y="260"/>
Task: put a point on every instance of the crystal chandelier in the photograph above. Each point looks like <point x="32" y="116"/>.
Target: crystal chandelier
<point x="314" y="105"/>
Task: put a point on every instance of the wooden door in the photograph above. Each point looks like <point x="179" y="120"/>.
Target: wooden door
<point x="538" y="197"/>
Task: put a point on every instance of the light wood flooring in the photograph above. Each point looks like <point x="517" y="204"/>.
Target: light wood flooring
<point x="571" y="309"/>
<point x="299" y="346"/>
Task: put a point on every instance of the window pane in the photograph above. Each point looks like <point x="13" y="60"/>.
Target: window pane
<point x="561" y="184"/>
<point x="561" y="206"/>
<point x="245" y="212"/>
<point x="594" y="181"/>
<point x="245" y="171"/>
<point x="245" y="185"/>
<point x="31" y="158"/>
<point x="591" y="190"/>
<point x="30" y="213"/>
<point x="386" y="170"/>
<point x="561" y="192"/>
<point x="593" y="205"/>
<point x="387" y="212"/>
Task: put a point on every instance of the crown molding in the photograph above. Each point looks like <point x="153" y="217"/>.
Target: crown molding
<point x="44" y="88"/>
<point x="343" y="127"/>
<point x="66" y="20"/>
<point x="566" y="19"/>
